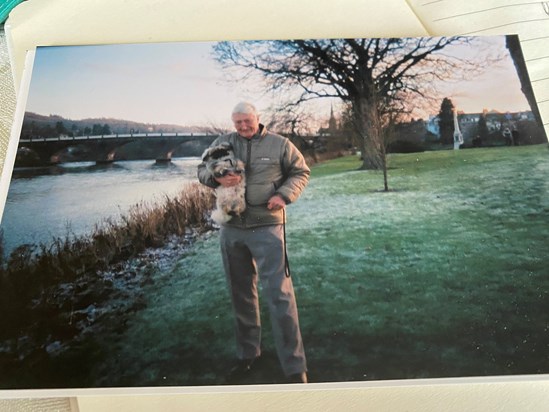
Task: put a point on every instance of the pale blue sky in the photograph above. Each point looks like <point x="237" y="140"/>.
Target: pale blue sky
<point x="180" y="83"/>
<point x="176" y="83"/>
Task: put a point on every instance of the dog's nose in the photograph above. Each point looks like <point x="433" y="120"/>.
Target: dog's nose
<point x="221" y="173"/>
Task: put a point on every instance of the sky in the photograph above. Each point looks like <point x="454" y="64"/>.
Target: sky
<point x="182" y="84"/>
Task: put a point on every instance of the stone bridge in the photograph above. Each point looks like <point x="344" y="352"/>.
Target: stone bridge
<point x="104" y="149"/>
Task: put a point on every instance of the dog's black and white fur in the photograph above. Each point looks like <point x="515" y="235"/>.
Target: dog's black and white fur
<point x="230" y="201"/>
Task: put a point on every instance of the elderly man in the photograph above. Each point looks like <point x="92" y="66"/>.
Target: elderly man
<point x="253" y="242"/>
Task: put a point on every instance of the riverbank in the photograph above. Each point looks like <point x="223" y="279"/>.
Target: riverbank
<point x="56" y="298"/>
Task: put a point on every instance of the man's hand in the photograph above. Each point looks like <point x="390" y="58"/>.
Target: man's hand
<point x="229" y="180"/>
<point x="276" y="203"/>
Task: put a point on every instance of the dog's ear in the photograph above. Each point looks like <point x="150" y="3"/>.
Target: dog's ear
<point x="227" y="145"/>
<point x="215" y="152"/>
<point x="206" y="154"/>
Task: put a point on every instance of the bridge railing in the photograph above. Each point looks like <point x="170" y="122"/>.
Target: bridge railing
<point x="112" y="136"/>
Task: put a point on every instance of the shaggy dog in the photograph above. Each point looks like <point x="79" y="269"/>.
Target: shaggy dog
<point x="230" y="201"/>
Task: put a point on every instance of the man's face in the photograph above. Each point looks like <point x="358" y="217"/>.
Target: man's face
<point x="246" y="124"/>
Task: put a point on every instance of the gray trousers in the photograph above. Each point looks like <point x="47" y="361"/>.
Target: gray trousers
<point x="245" y="253"/>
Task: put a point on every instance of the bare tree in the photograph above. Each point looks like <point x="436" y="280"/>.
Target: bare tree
<point x="295" y="123"/>
<point x="380" y="122"/>
<point x="216" y="128"/>
<point x="292" y="121"/>
<point x="350" y="69"/>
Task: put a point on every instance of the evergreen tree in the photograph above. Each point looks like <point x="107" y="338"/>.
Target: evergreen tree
<point x="60" y="128"/>
<point x="446" y="121"/>
<point x="97" y="129"/>
<point x="482" y="130"/>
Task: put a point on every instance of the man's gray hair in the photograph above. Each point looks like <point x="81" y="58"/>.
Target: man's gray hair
<point x="245" y="108"/>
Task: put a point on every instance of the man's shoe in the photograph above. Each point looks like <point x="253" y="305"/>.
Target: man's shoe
<point x="297" y="378"/>
<point x="240" y="370"/>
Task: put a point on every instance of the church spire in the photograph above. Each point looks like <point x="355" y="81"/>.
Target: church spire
<point x="332" y="124"/>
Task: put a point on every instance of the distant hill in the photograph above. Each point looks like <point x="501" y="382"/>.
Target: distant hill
<point x="35" y="124"/>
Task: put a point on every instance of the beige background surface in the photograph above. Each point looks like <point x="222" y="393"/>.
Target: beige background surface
<point x="58" y="22"/>
<point x="7" y="97"/>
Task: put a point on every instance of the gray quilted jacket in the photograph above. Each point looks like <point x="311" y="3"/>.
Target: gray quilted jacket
<point x="273" y="166"/>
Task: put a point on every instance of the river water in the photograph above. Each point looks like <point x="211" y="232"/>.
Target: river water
<point x="74" y="197"/>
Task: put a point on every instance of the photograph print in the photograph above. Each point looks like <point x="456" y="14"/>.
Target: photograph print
<point x="275" y="212"/>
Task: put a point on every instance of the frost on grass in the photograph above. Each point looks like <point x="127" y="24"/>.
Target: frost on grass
<point x="432" y="262"/>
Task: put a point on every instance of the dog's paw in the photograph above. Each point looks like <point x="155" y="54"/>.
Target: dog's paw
<point x="220" y="217"/>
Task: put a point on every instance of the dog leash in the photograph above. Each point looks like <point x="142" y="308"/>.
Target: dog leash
<point x="287" y="261"/>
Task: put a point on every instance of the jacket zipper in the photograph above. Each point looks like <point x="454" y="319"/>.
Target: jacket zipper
<point x="248" y="154"/>
<point x="247" y="167"/>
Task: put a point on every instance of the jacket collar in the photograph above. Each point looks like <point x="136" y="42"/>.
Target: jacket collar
<point x="261" y="132"/>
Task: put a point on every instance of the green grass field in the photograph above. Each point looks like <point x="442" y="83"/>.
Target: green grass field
<point x="444" y="275"/>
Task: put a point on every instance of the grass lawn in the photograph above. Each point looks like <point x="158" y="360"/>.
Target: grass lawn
<point x="444" y="275"/>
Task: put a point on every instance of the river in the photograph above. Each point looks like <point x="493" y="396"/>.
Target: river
<point x="72" y="198"/>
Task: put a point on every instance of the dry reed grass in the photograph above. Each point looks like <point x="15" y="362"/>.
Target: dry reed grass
<point x="31" y="271"/>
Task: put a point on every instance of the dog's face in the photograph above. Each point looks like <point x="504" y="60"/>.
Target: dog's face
<point x="220" y="160"/>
